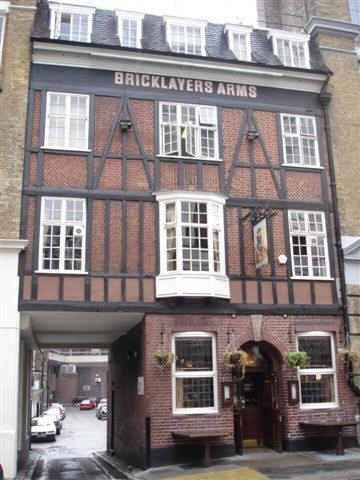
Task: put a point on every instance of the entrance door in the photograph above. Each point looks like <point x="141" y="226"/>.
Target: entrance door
<point x="252" y="411"/>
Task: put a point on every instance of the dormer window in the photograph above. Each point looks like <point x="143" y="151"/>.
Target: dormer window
<point x="239" y="41"/>
<point x="70" y="22"/>
<point x="186" y="36"/>
<point x="292" y="48"/>
<point x="129" y="28"/>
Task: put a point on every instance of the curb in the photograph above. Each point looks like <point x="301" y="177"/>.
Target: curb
<point x="112" y="468"/>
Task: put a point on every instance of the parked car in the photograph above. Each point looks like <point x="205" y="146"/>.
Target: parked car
<point x="43" y="428"/>
<point x="77" y="400"/>
<point x="102" y="415"/>
<point x="103" y="400"/>
<point x="57" y="410"/>
<point x="100" y="405"/>
<point x="87" y="404"/>
<point x="62" y="409"/>
<point x="53" y="415"/>
<point x="1" y="472"/>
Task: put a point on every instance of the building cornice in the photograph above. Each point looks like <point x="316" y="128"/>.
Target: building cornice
<point x="318" y="25"/>
<point x="55" y="53"/>
<point x="15" y="245"/>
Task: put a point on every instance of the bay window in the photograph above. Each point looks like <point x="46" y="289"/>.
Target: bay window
<point x="317" y="378"/>
<point x="194" y="373"/>
<point x="191" y="245"/>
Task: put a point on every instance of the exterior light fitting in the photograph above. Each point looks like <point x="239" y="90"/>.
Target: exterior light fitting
<point x="125" y="124"/>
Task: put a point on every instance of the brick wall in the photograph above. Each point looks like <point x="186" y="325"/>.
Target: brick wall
<point x="14" y="79"/>
<point x="277" y="332"/>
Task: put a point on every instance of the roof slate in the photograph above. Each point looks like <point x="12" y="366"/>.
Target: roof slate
<point x="154" y="38"/>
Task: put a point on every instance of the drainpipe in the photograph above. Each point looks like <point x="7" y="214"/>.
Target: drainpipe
<point x="325" y="98"/>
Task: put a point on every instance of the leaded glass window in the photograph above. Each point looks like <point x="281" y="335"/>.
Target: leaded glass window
<point x="317" y="377"/>
<point x="194" y="371"/>
<point x="62" y="235"/>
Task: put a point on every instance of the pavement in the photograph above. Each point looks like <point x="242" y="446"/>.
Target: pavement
<point x="79" y="454"/>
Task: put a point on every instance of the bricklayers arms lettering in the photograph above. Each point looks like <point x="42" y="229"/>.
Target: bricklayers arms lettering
<point x="184" y="84"/>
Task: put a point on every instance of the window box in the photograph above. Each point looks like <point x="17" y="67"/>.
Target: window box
<point x="185" y="36"/>
<point x="309" y="251"/>
<point x="70" y="22"/>
<point x="192" y="253"/>
<point x="194" y="371"/>
<point x="189" y="131"/>
<point x="239" y="41"/>
<point x="129" y="28"/>
<point x="67" y="120"/>
<point x="318" y="387"/>
<point x="292" y="48"/>
<point x="62" y="235"/>
<point x="300" y="144"/>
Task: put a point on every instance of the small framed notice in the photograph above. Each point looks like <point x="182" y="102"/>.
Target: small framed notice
<point x="140" y="385"/>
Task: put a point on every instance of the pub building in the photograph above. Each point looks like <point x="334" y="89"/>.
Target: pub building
<point x="177" y="191"/>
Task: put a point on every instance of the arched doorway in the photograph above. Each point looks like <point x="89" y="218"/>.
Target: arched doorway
<point x="259" y="406"/>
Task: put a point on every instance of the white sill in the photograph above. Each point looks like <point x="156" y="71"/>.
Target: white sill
<point x="321" y="279"/>
<point x="317" y="406"/>
<point x="46" y="147"/>
<point x="195" y="411"/>
<point x="63" y="272"/>
<point x="318" y="167"/>
<point x="190" y="158"/>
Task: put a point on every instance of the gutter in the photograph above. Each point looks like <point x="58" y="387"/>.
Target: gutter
<point x="325" y="98"/>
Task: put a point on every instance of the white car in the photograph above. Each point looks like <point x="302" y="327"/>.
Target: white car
<point x="99" y="406"/>
<point x="61" y="407"/>
<point x="55" y="417"/>
<point x="43" y="427"/>
<point x="55" y="409"/>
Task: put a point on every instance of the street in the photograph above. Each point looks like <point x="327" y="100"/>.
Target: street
<point x="70" y="456"/>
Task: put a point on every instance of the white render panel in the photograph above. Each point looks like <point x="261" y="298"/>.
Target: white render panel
<point x="182" y="285"/>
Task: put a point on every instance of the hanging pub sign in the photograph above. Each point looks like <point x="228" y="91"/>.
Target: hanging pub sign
<point x="261" y="243"/>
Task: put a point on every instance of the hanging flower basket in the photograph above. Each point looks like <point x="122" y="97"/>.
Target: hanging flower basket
<point x="345" y="356"/>
<point x="296" y="359"/>
<point x="164" y="359"/>
<point x="235" y="358"/>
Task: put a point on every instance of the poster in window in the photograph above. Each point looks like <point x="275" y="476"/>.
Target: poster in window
<point x="261" y="243"/>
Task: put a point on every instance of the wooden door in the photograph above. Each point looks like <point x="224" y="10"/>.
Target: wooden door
<point x="252" y="411"/>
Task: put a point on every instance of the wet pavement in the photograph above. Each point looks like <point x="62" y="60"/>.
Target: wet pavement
<point x="70" y="457"/>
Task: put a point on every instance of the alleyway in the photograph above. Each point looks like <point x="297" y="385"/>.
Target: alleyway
<point x="70" y="457"/>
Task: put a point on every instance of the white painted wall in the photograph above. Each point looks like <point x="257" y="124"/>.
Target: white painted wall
<point x="9" y="353"/>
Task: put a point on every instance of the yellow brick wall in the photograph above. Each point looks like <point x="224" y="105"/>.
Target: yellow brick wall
<point x="15" y="68"/>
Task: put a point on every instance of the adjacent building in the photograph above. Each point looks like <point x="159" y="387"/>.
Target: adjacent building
<point x="16" y="340"/>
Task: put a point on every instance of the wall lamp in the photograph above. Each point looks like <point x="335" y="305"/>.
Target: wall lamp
<point x="125" y="125"/>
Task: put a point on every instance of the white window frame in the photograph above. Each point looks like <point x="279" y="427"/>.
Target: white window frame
<point x="179" y="282"/>
<point x="314" y="371"/>
<point x="197" y="131"/>
<point x="291" y="37"/>
<point x="63" y="223"/>
<point x="299" y="136"/>
<point x="57" y="9"/>
<point x="309" y="234"/>
<point x="198" y="374"/>
<point x="67" y="122"/>
<point x="2" y="34"/>
<point x="131" y="16"/>
<point x="185" y="22"/>
<point x="230" y="30"/>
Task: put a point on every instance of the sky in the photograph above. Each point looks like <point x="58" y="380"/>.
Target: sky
<point x="223" y="11"/>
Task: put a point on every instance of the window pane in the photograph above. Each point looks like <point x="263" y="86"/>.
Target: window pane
<point x="318" y="350"/>
<point x="193" y="353"/>
<point x="317" y="388"/>
<point x="194" y="392"/>
<point x="170" y="213"/>
<point x="65" y="26"/>
<point x="240" y="46"/>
